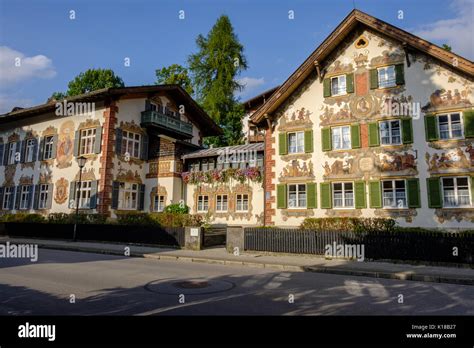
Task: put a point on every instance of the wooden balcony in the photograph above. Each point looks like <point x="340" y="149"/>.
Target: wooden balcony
<point x="169" y="124"/>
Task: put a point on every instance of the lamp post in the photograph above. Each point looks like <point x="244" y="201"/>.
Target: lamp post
<point x="81" y="161"/>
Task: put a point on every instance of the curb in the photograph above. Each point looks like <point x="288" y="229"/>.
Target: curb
<point x="275" y="266"/>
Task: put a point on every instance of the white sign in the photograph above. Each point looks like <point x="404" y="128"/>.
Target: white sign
<point x="194" y="232"/>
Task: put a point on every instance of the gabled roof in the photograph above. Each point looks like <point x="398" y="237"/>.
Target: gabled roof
<point x="355" y="18"/>
<point x="196" y="113"/>
<point x="259" y="99"/>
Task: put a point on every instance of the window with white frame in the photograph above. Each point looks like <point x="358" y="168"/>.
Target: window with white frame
<point x="7" y="197"/>
<point x="83" y="194"/>
<point x="43" y="196"/>
<point x="11" y="153"/>
<point x="450" y="126"/>
<point x="387" y="76"/>
<point x="128" y="196"/>
<point x="24" y="197"/>
<point x="296" y="142"/>
<point x="130" y="144"/>
<point x="48" y="147"/>
<point x="343" y="194"/>
<point x="456" y="192"/>
<point x="203" y="203"/>
<point x="338" y="85"/>
<point x="341" y="137"/>
<point x="159" y="203"/>
<point x="297" y="196"/>
<point x="390" y="132"/>
<point x="221" y="203"/>
<point x="87" y="141"/>
<point x="394" y="194"/>
<point x="30" y="149"/>
<point x="242" y="202"/>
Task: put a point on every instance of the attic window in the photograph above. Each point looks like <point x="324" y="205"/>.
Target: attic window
<point x="361" y="42"/>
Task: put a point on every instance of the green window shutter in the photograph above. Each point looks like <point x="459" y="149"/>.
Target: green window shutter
<point x="327" y="87"/>
<point x="374" y="134"/>
<point x="472" y="190"/>
<point x="413" y="190"/>
<point x="399" y="74"/>
<point x="282" y="144"/>
<point x="407" y="130"/>
<point x="326" y="139"/>
<point x="311" y="196"/>
<point x="326" y="198"/>
<point x="431" y="127"/>
<point x="374" y="79"/>
<point x="281" y="196"/>
<point x="355" y="136"/>
<point x="349" y="83"/>
<point x="435" y="199"/>
<point x="360" y="202"/>
<point x="468" y="123"/>
<point x="308" y="141"/>
<point x="375" y="193"/>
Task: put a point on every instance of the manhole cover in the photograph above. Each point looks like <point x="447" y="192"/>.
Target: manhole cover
<point x="189" y="286"/>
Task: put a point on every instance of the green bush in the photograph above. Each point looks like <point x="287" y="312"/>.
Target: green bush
<point x="22" y="217"/>
<point x="349" y="224"/>
<point x="64" y="218"/>
<point x="177" y="208"/>
<point x="176" y="219"/>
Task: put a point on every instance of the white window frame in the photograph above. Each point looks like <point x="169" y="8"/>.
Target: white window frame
<point x="341" y="85"/>
<point x="131" y="144"/>
<point x="11" y="152"/>
<point x="128" y="196"/>
<point x="456" y="193"/>
<point x="222" y="203"/>
<point x="393" y="191"/>
<point x="10" y="192"/>
<point x="242" y="202"/>
<point x="29" y="151"/>
<point x="299" y="142"/>
<point x="87" y="141"/>
<point x="83" y="194"/>
<point x="390" y="132"/>
<point x="159" y="203"/>
<point x="339" y="130"/>
<point x="450" y="125"/>
<point x="298" y="193"/>
<point x="25" y="193"/>
<point x="48" y="147"/>
<point x="202" y="203"/>
<point x="383" y="77"/>
<point x="344" y="192"/>
<point x="43" y="196"/>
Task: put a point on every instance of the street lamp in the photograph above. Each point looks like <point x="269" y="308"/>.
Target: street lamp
<point x="81" y="161"/>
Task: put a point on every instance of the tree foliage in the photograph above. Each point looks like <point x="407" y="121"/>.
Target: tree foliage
<point x="174" y="74"/>
<point x="447" y="47"/>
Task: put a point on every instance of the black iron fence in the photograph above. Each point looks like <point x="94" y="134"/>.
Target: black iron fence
<point x="142" y="234"/>
<point x="402" y="245"/>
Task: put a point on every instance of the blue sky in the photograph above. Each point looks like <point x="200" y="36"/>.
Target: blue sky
<point x="53" y="48"/>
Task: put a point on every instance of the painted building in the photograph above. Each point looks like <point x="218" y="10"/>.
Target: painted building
<point x="375" y="123"/>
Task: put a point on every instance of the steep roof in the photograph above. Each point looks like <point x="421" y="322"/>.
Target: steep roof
<point x="196" y="113"/>
<point x="259" y="99"/>
<point x="355" y="18"/>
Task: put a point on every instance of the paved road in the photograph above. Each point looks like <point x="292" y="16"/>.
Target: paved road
<point x="114" y="285"/>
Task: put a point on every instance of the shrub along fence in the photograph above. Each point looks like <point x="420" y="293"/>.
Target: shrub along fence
<point x="432" y="246"/>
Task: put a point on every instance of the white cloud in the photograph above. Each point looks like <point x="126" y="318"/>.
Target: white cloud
<point x="250" y="84"/>
<point x="38" y="66"/>
<point x="8" y="102"/>
<point x="457" y="32"/>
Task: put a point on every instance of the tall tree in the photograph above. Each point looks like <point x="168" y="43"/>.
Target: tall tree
<point x="447" y="47"/>
<point x="174" y="74"/>
<point x="219" y="60"/>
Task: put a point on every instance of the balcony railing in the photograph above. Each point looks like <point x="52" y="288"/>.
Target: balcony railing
<point x="169" y="122"/>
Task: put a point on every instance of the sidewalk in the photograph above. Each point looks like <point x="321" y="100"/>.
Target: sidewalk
<point x="295" y="263"/>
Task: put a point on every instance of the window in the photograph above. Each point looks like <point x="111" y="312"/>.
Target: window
<point x="11" y="153"/>
<point x="450" y="126"/>
<point x="338" y="85"/>
<point x="260" y="160"/>
<point x="48" y="147"/>
<point x="242" y="202"/>
<point x="386" y="76"/>
<point x="343" y="195"/>
<point x="24" y="197"/>
<point x="7" y="197"/>
<point x="87" y="141"/>
<point x="390" y="133"/>
<point x="221" y="203"/>
<point x="130" y="144"/>
<point x="296" y="142"/>
<point x="394" y="194"/>
<point x="456" y="192"/>
<point x="30" y="148"/>
<point x="43" y="196"/>
<point x="159" y="203"/>
<point x="128" y="196"/>
<point x="203" y="203"/>
<point x="194" y="166"/>
<point x="84" y="194"/>
<point x="341" y="138"/>
<point x="297" y="196"/>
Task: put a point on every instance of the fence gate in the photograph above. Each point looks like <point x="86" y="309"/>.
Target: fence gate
<point x="214" y="236"/>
